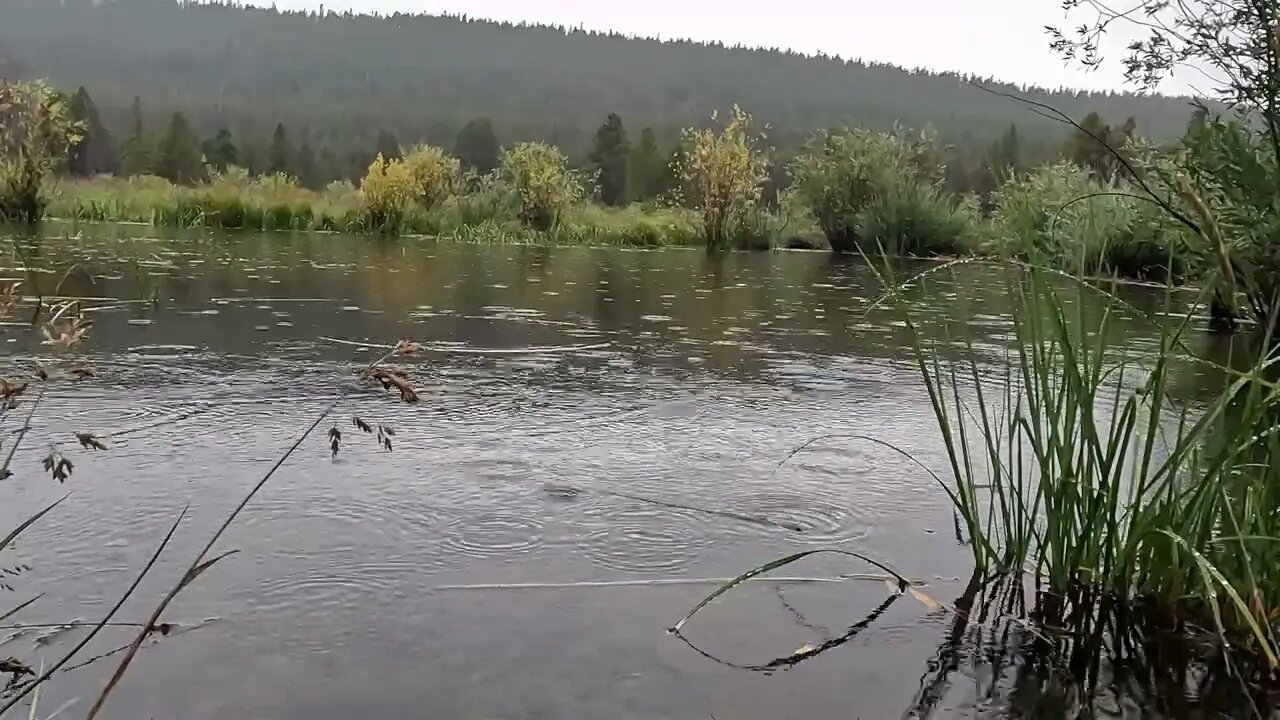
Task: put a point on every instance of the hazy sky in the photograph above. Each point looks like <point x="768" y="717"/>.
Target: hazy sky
<point x="1000" y="38"/>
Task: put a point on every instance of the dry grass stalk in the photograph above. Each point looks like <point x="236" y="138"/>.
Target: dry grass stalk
<point x="384" y="434"/>
<point x="10" y="389"/>
<point x="398" y="380"/>
<point x="66" y="333"/>
<point x="82" y="372"/>
<point x="58" y="466"/>
<point x="89" y="441"/>
<point x="9" y="298"/>
<point x="335" y="440"/>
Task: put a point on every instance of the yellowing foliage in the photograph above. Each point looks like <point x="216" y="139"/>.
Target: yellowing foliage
<point x="540" y="175"/>
<point x="435" y="173"/>
<point x="726" y="172"/>
<point x="387" y="191"/>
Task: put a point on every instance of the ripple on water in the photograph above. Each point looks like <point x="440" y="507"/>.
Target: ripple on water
<point x="643" y="539"/>
<point x="324" y="587"/>
<point x="493" y="534"/>
<point x="816" y="519"/>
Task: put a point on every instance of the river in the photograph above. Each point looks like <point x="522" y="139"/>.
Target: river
<point x="601" y="475"/>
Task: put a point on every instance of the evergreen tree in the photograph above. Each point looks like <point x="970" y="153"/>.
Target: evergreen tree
<point x="646" y="167"/>
<point x="136" y="152"/>
<point x="280" y="155"/>
<point x="1008" y="152"/>
<point x="609" y="156"/>
<point x="1091" y="147"/>
<point x="305" y="166"/>
<point x="95" y="154"/>
<point x="220" y="151"/>
<point x="329" y="166"/>
<point x="477" y="146"/>
<point x="179" y="153"/>
<point x="1001" y="161"/>
<point x="541" y="79"/>
<point x="388" y="145"/>
<point x="251" y="155"/>
<point x="1088" y="147"/>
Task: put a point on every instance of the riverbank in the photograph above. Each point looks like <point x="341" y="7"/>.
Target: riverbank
<point x="486" y="214"/>
<point x="1109" y="237"/>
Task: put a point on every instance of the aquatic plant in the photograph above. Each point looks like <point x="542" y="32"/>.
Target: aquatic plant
<point x="1075" y="469"/>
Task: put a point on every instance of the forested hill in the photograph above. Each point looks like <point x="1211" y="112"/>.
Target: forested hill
<point x="346" y="76"/>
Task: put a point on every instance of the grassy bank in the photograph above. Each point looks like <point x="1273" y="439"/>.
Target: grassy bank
<point x="277" y="204"/>
<point x="1102" y="236"/>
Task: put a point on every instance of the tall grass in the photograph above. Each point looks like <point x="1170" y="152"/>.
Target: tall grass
<point x="1062" y="216"/>
<point x="916" y="217"/>
<point x="486" y="212"/>
<point x="1136" y="522"/>
<point x="1075" y="467"/>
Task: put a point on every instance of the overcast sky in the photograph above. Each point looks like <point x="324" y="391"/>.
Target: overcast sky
<point x="1000" y="38"/>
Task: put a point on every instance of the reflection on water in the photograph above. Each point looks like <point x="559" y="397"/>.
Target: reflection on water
<point x="653" y="457"/>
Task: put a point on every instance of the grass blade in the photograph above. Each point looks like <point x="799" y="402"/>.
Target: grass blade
<point x="105" y="620"/>
<point x="903" y="583"/>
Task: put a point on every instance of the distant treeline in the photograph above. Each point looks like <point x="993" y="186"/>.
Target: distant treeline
<point x="344" y="84"/>
<point x="628" y="166"/>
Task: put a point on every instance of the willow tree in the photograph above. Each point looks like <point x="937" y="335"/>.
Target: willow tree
<point x="436" y="174"/>
<point x="724" y="172"/>
<point x="37" y="133"/>
<point x="1227" y="175"/>
<point x="541" y="177"/>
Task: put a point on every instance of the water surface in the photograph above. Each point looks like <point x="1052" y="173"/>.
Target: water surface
<point x="345" y="599"/>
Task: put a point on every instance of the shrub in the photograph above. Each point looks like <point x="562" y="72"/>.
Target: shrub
<point x="916" y="217"/>
<point x="36" y="137"/>
<point x="387" y="191"/>
<point x="435" y="173"/>
<point x="540" y="175"/>
<point x="724" y="173"/>
<point x="843" y="173"/>
<point x="1060" y="215"/>
<point x="1228" y="179"/>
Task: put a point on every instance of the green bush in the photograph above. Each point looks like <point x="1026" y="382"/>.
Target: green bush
<point x="916" y="217"/>
<point x="1059" y="215"/>
<point x="871" y="190"/>
<point x="540" y="175"/>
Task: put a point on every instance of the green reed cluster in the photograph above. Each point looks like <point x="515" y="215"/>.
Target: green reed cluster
<point x="1074" y="468"/>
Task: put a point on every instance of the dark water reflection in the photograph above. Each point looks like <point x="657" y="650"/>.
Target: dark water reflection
<point x="342" y="601"/>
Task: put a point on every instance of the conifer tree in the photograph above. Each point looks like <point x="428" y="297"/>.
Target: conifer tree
<point x="280" y="154"/>
<point x="179" y="158"/>
<point x="477" y="146"/>
<point x="136" y="151"/>
<point x="95" y="154"/>
<point x="609" y="156"/>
